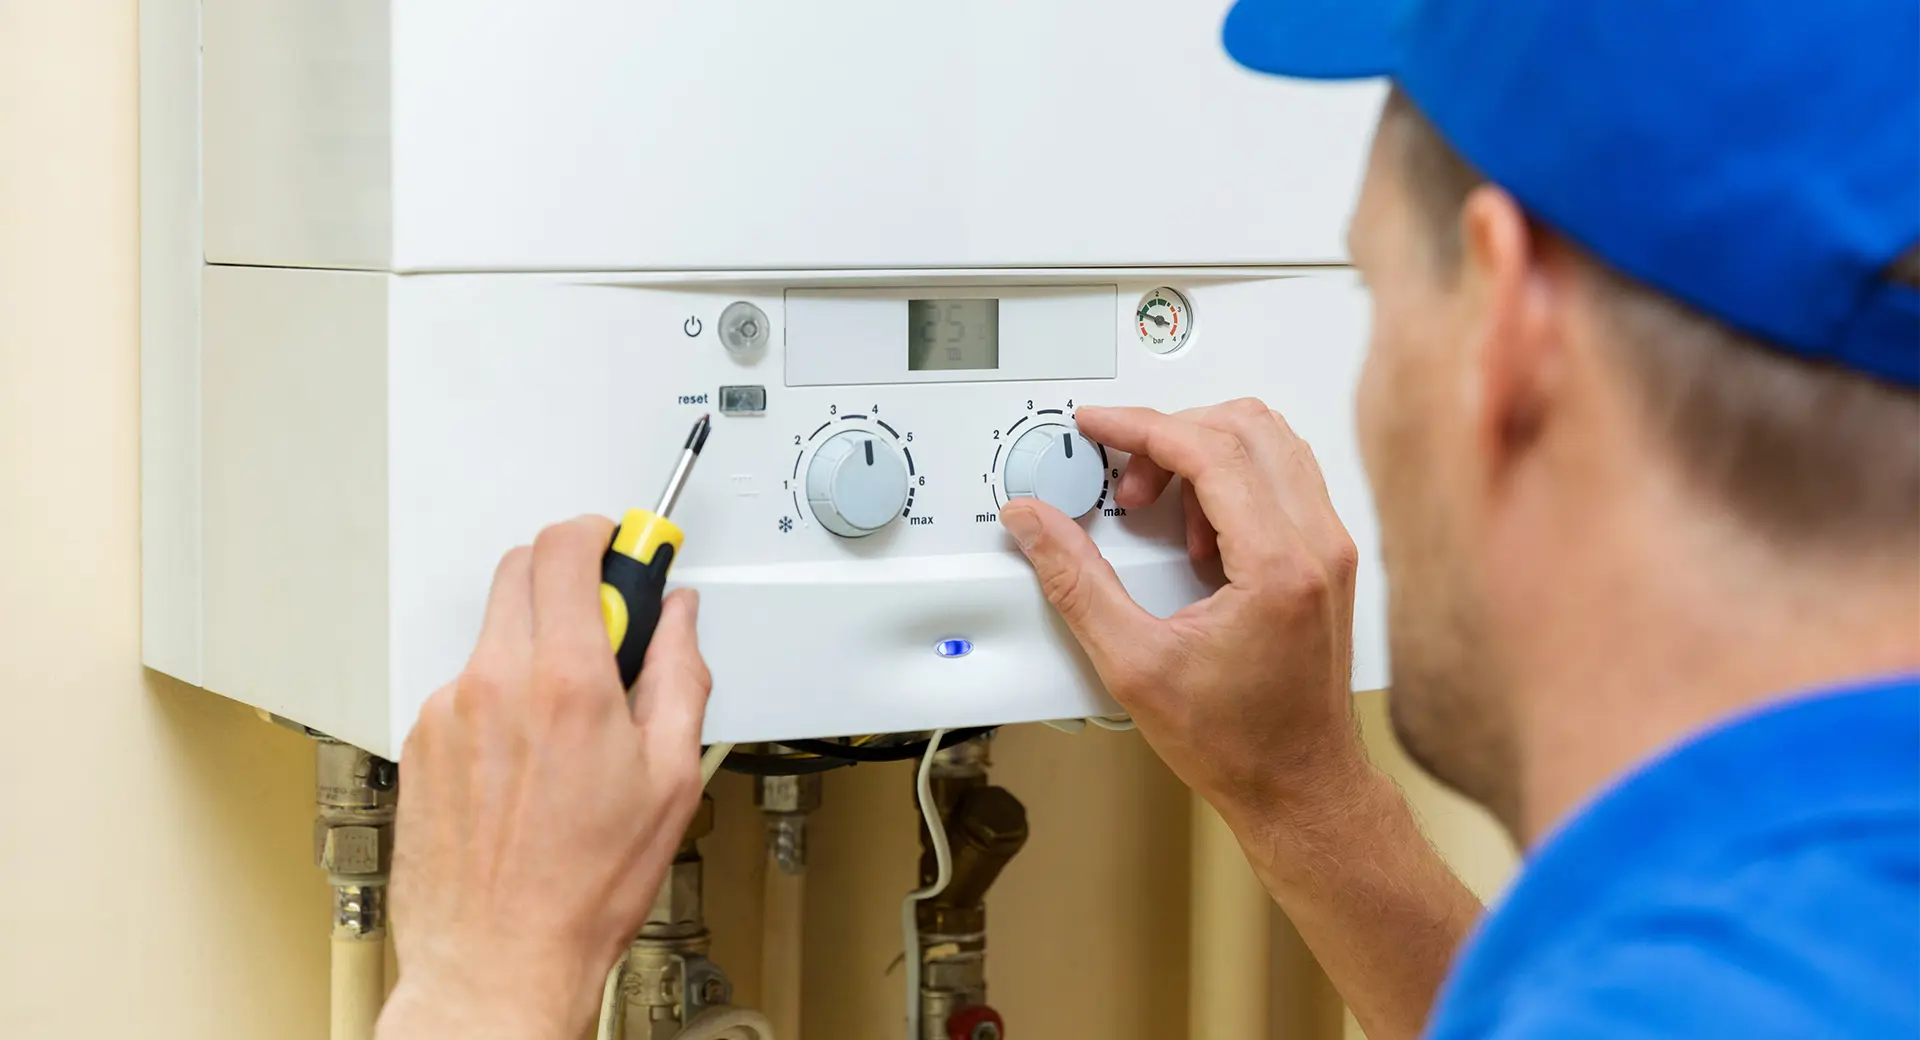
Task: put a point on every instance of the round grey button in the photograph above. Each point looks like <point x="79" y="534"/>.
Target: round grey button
<point x="744" y="330"/>
<point x="1058" y="466"/>
<point x="856" y="484"/>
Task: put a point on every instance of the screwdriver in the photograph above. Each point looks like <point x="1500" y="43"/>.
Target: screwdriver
<point x="633" y="573"/>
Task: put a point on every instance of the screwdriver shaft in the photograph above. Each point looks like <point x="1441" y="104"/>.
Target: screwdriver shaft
<point x="696" y="440"/>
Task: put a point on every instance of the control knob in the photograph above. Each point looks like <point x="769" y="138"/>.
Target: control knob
<point x="1058" y="466"/>
<point x="856" y="484"/>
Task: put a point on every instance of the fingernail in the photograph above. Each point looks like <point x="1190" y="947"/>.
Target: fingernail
<point x="1023" y="524"/>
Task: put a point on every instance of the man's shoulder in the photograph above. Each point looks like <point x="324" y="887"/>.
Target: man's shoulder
<point x="1818" y="940"/>
<point x="1763" y="881"/>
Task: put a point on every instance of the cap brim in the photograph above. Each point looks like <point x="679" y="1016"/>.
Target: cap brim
<point x="1315" y="39"/>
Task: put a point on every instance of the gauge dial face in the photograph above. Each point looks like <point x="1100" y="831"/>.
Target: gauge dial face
<point x="1164" y="319"/>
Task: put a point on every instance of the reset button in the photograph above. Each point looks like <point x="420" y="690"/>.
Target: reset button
<point x="743" y="400"/>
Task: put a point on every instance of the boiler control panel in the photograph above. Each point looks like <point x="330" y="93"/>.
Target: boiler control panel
<point x="843" y="523"/>
<point x="883" y="422"/>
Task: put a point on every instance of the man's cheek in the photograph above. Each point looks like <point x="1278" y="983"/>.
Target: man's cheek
<point x="1382" y="402"/>
<point x="1387" y="410"/>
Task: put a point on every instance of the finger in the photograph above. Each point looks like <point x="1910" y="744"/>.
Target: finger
<point x="670" y="699"/>
<point x="427" y="734"/>
<point x="1202" y="542"/>
<point x="506" y="632"/>
<point x="1251" y="422"/>
<point x="1323" y="521"/>
<point x="1178" y="444"/>
<point x="434" y="773"/>
<point x="1141" y="483"/>
<point x="1299" y="486"/>
<point x="567" y="624"/>
<point x="1145" y="480"/>
<point x="1230" y="489"/>
<point x="1082" y="587"/>
<point x="1275" y="448"/>
<point x="1123" y="429"/>
<point x="1288" y="469"/>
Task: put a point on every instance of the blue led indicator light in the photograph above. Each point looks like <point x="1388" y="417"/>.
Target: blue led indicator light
<point x="953" y="647"/>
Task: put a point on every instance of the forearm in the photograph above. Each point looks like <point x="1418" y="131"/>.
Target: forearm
<point x="1368" y="893"/>
<point x="415" y="1015"/>
<point x="521" y="997"/>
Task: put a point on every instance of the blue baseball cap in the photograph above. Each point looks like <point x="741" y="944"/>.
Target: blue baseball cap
<point x="1758" y="161"/>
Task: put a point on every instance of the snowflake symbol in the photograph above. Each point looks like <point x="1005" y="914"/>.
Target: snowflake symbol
<point x="786" y="524"/>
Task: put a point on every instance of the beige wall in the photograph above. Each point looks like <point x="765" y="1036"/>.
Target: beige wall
<point x="154" y="839"/>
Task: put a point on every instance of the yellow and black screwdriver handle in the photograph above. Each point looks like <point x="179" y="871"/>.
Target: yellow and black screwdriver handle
<point x="633" y="580"/>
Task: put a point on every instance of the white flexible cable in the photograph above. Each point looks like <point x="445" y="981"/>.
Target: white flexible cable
<point x="609" y="1002"/>
<point x="1117" y="723"/>
<point x="610" y="994"/>
<point x="943" y="873"/>
<point x="727" y="1023"/>
<point x="710" y="762"/>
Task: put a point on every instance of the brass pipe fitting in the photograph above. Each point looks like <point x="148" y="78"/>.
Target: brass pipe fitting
<point x="356" y="794"/>
<point x="786" y="801"/>
<point x="667" y="980"/>
<point x="986" y="826"/>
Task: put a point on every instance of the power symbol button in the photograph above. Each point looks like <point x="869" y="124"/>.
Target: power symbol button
<point x="692" y="326"/>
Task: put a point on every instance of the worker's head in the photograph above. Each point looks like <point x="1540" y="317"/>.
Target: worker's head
<point x="1542" y="428"/>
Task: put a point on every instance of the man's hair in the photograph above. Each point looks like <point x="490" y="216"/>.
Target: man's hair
<point x="1806" y="453"/>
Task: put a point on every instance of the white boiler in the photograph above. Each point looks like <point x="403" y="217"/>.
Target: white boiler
<point x="424" y="275"/>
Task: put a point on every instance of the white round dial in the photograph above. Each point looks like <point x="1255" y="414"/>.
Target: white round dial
<point x="856" y="484"/>
<point x="1165" y="320"/>
<point x="1056" y="465"/>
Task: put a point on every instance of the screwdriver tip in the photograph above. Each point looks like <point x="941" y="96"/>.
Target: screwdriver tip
<point x="698" y="438"/>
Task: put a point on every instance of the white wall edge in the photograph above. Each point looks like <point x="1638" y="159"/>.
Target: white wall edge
<point x="171" y="255"/>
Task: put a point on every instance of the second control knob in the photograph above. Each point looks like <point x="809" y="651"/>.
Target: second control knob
<point x="1058" y="466"/>
<point x="856" y="484"/>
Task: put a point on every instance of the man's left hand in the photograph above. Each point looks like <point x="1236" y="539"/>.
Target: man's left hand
<point x="539" y="810"/>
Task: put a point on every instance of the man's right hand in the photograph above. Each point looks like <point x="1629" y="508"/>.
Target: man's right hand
<point x="1245" y="694"/>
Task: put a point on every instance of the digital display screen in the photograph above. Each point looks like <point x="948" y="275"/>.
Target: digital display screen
<point x="953" y="335"/>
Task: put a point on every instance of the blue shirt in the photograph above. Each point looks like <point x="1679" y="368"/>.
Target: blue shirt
<point x="1760" y="880"/>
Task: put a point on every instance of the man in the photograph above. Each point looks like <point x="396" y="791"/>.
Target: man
<point x="1641" y="419"/>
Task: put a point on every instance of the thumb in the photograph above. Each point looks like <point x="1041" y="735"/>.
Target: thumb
<point x="1081" y="585"/>
<point x="670" y="699"/>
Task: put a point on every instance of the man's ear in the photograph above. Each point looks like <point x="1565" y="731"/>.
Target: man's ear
<point x="1511" y="294"/>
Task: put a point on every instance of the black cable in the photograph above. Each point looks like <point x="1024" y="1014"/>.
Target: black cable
<point x="869" y="753"/>
<point x="825" y="755"/>
<point x="779" y="765"/>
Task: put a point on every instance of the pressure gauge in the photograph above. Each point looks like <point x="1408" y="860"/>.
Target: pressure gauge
<point x="1164" y="319"/>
